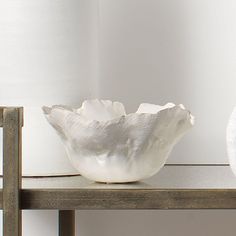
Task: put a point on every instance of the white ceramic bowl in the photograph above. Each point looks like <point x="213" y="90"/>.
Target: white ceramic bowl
<point x="106" y="145"/>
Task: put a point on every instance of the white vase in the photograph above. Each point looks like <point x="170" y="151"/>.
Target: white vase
<point x="231" y="140"/>
<point x="47" y="56"/>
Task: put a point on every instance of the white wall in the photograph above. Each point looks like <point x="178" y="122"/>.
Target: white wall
<point x="140" y="223"/>
<point x="149" y="50"/>
<point x="47" y="56"/>
<point x="173" y="50"/>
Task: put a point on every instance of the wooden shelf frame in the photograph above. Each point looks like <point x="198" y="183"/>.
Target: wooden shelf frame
<point x="11" y="120"/>
<point x="14" y="198"/>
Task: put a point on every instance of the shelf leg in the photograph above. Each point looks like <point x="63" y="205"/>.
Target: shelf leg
<point x="12" y="123"/>
<point x="66" y="223"/>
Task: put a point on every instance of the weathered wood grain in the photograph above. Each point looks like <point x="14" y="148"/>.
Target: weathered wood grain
<point x="20" y="109"/>
<point x="127" y="199"/>
<point x="71" y="199"/>
<point x="0" y="199"/>
<point x="1" y="116"/>
<point x="156" y="198"/>
<point x="12" y="126"/>
<point x="66" y="223"/>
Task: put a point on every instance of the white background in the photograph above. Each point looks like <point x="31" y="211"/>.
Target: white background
<point x="63" y="51"/>
<point x="48" y="56"/>
<point x="173" y="50"/>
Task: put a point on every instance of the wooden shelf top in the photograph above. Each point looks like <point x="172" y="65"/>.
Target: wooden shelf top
<point x="174" y="187"/>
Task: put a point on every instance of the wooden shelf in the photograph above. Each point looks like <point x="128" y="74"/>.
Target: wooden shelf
<point x="175" y="187"/>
